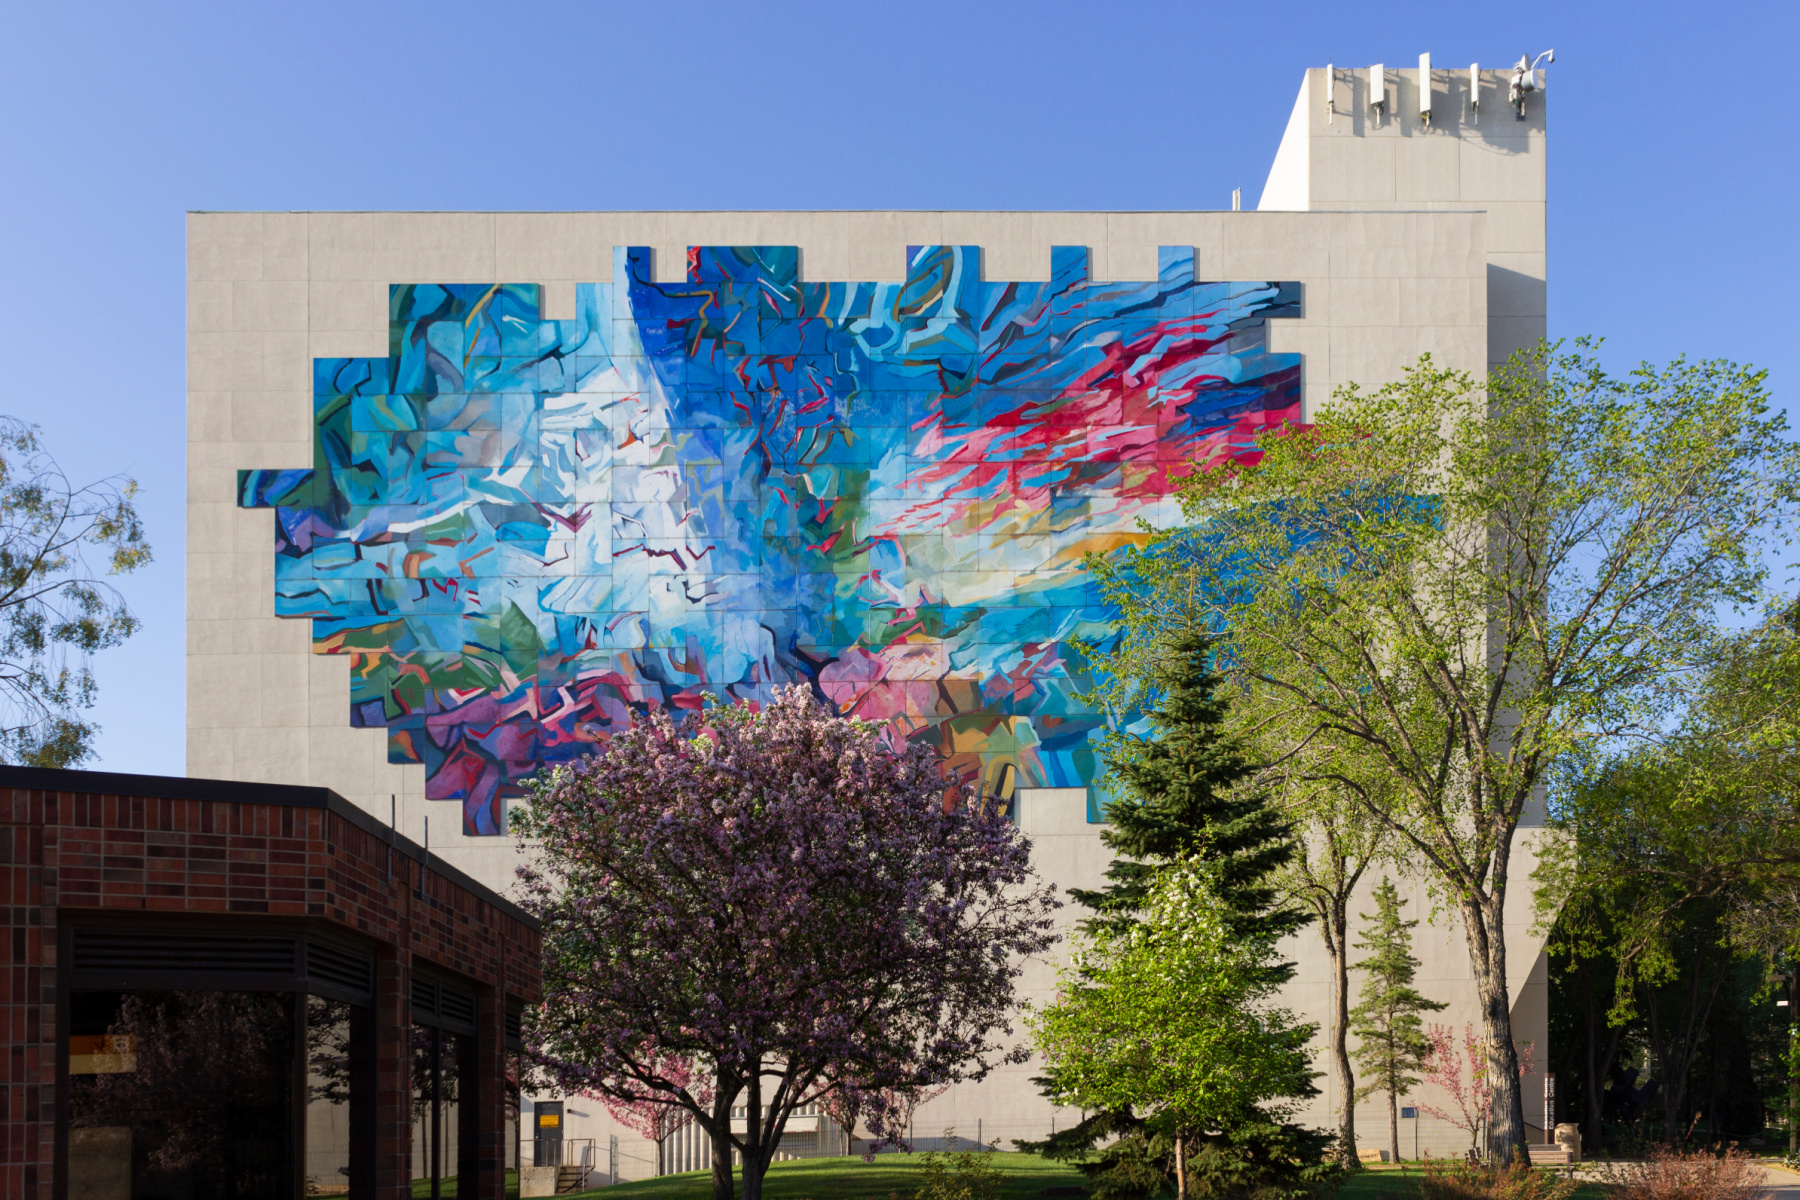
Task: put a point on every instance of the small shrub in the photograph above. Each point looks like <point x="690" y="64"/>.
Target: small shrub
<point x="1671" y="1175"/>
<point x="965" y="1175"/>
<point x="1446" y="1179"/>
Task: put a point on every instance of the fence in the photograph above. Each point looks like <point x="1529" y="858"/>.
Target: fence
<point x="810" y="1134"/>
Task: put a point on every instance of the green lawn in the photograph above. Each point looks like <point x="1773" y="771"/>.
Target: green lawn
<point x="894" y="1177"/>
<point x="1022" y="1177"/>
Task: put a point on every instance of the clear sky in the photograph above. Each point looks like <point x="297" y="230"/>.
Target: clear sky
<point x="1673" y="164"/>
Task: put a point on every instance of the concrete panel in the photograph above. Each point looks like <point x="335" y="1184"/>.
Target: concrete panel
<point x="1493" y="171"/>
<point x="579" y="246"/>
<point x="209" y="416"/>
<point x="358" y="304"/>
<point x="209" y="305"/>
<point x="395" y="247"/>
<point x="225" y="245"/>
<point x="1347" y="171"/>
<point x="1512" y="292"/>
<point x="284" y="252"/>
<point x="224" y="362"/>
<point x="1428" y="168"/>
<point x="279" y="417"/>
<point x="268" y="305"/>
<point x="348" y="343"/>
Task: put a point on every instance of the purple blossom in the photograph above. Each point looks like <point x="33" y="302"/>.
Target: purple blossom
<point x="784" y="899"/>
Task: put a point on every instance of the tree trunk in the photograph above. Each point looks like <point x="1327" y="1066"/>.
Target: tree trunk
<point x="1337" y="923"/>
<point x="721" y="1137"/>
<point x="1597" y="1072"/>
<point x="1675" y="1052"/>
<point x="1393" y="1122"/>
<point x="659" y="1157"/>
<point x="1487" y="955"/>
<point x="1180" y="1167"/>
<point x="1598" y="1066"/>
<point x="753" y="1166"/>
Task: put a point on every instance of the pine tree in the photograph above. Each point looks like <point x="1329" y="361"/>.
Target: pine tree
<point x="1182" y="798"/>
<point x="1392" y="1041"/>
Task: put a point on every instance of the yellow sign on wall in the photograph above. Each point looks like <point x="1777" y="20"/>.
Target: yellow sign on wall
<point x="102" y="1054"/>
<point x="549" y="1120"/>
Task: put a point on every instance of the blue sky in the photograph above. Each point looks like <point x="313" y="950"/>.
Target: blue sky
<point x="1673" y="164"/>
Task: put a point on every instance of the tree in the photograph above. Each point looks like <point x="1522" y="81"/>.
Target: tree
<point x="887" y="1111"/>
<point x="1474" y="1100"/>
<point x="1184" y="795"/>
<point x="1336" y="843"/>
<point x="56" y="610"/>
<point x="1465" y="581"/>
<point x="779" y="894"/>
<point x="1178" y="797"/>
<point x="1391" y="1038"/>
<point x="1681" y="855"/>
<point x="1170" y="1017"/>
<point x="652" y="1115"/>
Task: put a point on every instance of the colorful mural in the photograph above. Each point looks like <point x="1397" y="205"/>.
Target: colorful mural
<point x="523" y="530"/>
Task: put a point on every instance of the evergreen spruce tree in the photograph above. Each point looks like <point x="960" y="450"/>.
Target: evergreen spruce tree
<point x="1181" y="798"/>
<point x="1180" y="801"/>
<point x="1392" y="1041"/>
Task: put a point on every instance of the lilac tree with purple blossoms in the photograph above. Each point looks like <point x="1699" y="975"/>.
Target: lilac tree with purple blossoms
<point x="780" y="896"/>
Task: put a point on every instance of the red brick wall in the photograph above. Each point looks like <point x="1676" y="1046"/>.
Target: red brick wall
<point x="71" y="851"/>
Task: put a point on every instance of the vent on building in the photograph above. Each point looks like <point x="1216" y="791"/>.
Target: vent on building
<point x="424" y="998"/>
<point x="331" y="964"/>
<point x="456" y="1008"/>
<point x="113" y="952"/>
<point x="515" y="1029"/>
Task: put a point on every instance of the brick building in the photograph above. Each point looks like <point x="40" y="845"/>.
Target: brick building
<point x="248" y="990"/>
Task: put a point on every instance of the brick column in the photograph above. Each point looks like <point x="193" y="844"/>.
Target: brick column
<point x="485" y="1120"/>
<point x="393" y="1075"/>
<point x="28" y="1006"/>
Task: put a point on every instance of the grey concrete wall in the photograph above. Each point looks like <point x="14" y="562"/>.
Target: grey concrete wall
<point x="268" y="292"/>
<point x="1416" y="270"/>
<point x="1463" y="159"/>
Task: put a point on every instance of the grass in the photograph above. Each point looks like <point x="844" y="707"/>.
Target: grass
<point x="1022" y="1177"/>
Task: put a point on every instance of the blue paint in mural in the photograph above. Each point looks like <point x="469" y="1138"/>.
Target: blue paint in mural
<point x="522" y="531"/>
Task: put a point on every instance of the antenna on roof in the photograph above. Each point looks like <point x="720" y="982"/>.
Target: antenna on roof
<point x="1526" y="78"/>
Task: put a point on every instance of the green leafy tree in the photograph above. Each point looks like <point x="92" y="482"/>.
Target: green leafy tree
<point x="1172" y="1017"/>
<point x="1391" y="1041"/>
<point x="1464" y="581"/>
<point x="1336" y="842"/>
<point x="1184" y="793"/>
<point x="1682" y="856"/>
<point x="56" y="607"/>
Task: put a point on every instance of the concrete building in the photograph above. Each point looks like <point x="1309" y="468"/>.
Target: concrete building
<point x="1382" y="233"/>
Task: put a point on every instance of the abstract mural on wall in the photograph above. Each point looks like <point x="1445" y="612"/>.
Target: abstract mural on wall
<point x="522" y="531"/>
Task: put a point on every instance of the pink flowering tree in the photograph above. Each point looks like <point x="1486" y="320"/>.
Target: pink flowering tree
<point x="1473" y="1099"/>
<point x="782" y="896"/>
<point x="885" y="1112"/>
<point x="656" y="1113"/>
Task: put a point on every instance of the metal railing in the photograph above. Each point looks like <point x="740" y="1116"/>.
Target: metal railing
<point x="559" y="1152"/>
